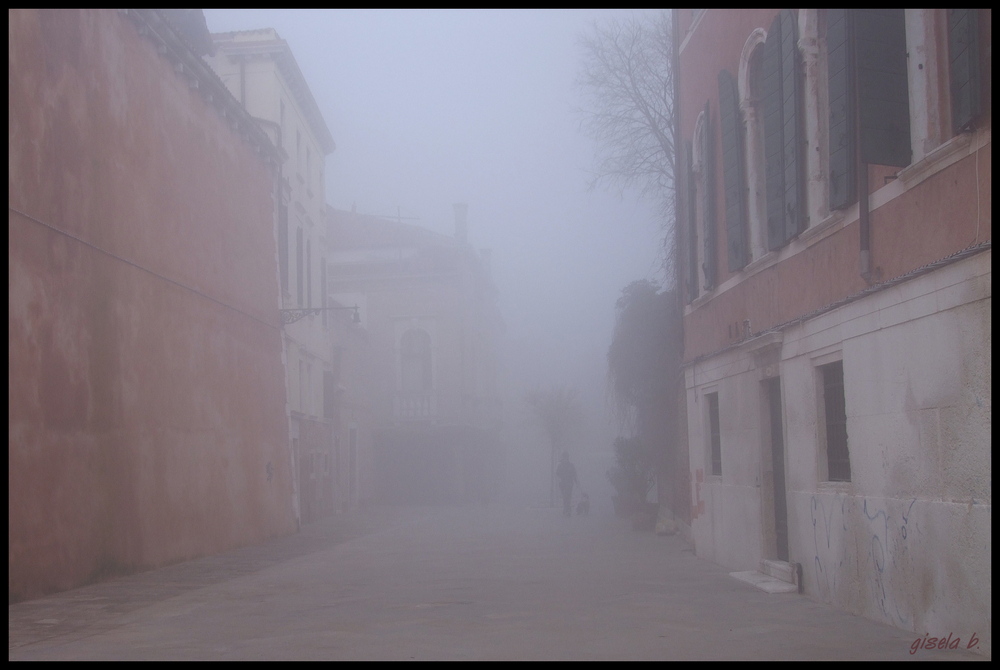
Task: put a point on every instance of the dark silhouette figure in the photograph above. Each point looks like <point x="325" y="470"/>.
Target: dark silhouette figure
<point x="583" y="507"/>
<point x="566" y="473"/>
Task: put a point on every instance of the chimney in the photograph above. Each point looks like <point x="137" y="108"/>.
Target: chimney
<point x="461" y="221"/>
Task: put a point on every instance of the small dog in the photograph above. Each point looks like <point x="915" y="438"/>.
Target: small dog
<point x="583" y="507"/>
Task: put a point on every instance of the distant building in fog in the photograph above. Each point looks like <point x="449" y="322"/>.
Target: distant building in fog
<point x="429" y="305"/>
<point x="146" y="416"/>
<point x="836" y="207"/>
<point x="260" y="71"/>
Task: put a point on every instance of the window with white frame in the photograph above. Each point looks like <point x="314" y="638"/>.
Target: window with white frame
<point x="700" y="197"/>
<point x="751" y="87"/>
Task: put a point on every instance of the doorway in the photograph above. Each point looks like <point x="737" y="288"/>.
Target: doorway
<point x="773" y="391"/>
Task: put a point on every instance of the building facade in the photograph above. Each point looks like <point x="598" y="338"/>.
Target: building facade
<point x="259" y="69"/>
<point x="429" y="307"/>
<point x="835" y="202"/>
<point x="146" y="413"/>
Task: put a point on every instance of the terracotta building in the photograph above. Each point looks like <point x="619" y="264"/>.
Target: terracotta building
<point x="836" y="211"/>
<point x="429" y="305"/>
<point x="146" y="416"/>
<point x="261" y="72"/>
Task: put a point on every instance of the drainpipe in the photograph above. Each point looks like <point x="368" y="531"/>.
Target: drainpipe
<point x="864" y="257"/>
<point x="865" y="225"/>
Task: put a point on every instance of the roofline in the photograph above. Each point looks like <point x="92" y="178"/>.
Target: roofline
<point x="331" y="212"/>
<point x="279" y="50"/>
<point x="172" y="46"/>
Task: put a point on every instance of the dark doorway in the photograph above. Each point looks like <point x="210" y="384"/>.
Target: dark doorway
<point x="773" y="387"/>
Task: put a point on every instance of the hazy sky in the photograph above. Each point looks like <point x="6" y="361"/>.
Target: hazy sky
<point x="429" y="108"/>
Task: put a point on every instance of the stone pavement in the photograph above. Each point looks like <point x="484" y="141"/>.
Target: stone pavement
<point x="448" y="583"/>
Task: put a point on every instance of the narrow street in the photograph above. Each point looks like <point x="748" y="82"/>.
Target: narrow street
<point x="448" y="583"/>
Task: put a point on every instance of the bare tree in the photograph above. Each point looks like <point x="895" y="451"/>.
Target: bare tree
<point x="627" y="79"/>
<point x="557" y="412"/>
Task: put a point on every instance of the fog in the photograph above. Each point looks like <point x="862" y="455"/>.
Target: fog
<point x="429" y="108"/>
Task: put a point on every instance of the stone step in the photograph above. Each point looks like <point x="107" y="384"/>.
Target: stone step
<point x="765" y="583"/>
<point x="783" y="570"/>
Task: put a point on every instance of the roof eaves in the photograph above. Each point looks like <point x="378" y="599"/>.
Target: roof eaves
<point x="172" y="46"/>
<point x="283" y="57"/>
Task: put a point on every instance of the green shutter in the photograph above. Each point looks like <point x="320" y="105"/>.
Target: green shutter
<point x="774" y="167"/>
<point x="963" y="39"/>
<point x="708" y="198"/>
<point x="734" y="178"/>
<point x="883" y="94"/>
<point x="692" y="222"/>
<point x="791" y="118"/>
<point x="841" y="99"/>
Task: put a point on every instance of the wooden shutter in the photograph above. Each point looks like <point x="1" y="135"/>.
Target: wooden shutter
<point x="963" y="43"/>
<point x="791" y="118"/>
<point x="692" y="221"/>
<point x="708" y="198"/>
<point x="734" y="178"/>
<point x="883" y="93"/>
<point x="774" y="170"/>
<point x="840" y="77"/>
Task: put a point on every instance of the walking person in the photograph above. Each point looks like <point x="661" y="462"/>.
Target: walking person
<point x="566" y="473"/>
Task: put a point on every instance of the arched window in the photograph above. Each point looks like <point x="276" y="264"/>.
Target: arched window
<point x="751" y="92"/>
<point x="734" y="182"/>
<point x="415" y="359"/>
<point x="699" y="196"/>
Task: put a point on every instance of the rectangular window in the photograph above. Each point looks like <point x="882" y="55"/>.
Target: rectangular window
<point x="302" y="386"/>
<point x="835" y="406"/>
<point x="309" y="179"/>
<point x="308" y="409"/>
<point x="309" y="282"/>
<point x="965" y="66"/>
<point x="283" y="246"/>
<point x="298" y="265"/>
<point x="714" y="432"/>
<point x="329" y="394"/>
<point x="868" y="92"/>
<point x="322" y="290"/>
<point x="281" y="123"/>
<point x="353" y="456"/>
<point x="338" y="357"/>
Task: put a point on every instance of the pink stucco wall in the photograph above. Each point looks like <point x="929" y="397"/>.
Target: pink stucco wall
<point x="939" y="216"/>
<point x="147" y="415"/>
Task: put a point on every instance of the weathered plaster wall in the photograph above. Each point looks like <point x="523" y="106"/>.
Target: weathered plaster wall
<point x="726" y="520"/>
<point x="908" y="540"/>
<point x="147" y="400"/>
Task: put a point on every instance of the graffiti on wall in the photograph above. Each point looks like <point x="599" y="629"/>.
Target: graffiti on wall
<point x="872" y="547"/>
<point x="828" y="559"/>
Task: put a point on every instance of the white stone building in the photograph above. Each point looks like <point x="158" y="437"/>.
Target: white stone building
<point x="259" y="69"/>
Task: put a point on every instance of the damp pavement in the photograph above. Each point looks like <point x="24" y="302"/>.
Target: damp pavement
<point x="448" y="583"/>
